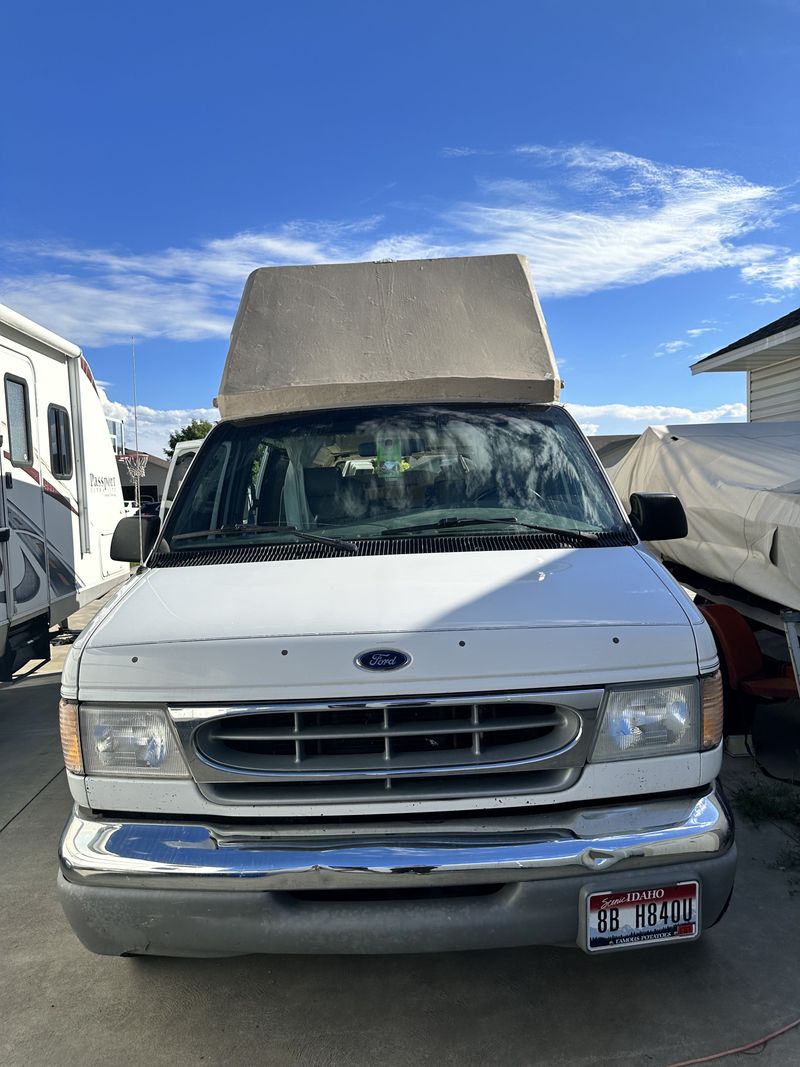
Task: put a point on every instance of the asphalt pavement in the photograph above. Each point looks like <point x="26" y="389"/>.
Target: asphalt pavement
<point x="61" y="1005"/>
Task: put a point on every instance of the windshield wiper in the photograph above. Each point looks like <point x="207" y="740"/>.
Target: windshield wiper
<point x="452" y="522"/>
<point x="449" y="522"/>
<point x="273" y="527"/>
<point x="588" y="537"/>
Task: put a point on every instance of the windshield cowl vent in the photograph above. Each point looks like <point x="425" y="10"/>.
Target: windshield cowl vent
<point x="393" y="546"/>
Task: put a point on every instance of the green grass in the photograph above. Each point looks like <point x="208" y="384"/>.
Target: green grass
<point x="765" y="801"/>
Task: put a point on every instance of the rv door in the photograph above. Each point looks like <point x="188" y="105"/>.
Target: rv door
<point x="5" y="532"/>
<point x="26" y="549"/>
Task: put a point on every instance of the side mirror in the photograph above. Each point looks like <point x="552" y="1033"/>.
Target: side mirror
<point x="125" y="542"/>
<point x="658" y="516"/>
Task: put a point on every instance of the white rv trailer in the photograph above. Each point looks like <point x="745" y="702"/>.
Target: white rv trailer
<point x="60" y="494"/>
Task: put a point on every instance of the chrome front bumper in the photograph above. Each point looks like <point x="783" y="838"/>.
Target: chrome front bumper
<point x="103" y="851"/>
<point x="190" y="889"/>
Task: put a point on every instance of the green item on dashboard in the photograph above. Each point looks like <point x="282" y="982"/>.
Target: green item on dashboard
<point x="389" y="457"/>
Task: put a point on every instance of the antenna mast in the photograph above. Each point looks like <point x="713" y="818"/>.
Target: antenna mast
<point x="136" y="464"/>
<point x="135" y="407"/>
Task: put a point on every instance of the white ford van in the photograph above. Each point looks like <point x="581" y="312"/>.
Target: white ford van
<point x="397" y="674"/>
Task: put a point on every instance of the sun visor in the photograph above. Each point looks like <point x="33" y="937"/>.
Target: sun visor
<point x="415" y="331"/>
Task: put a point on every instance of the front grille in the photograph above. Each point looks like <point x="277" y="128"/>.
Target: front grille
<point x="387" y="740"/>
<point x="428" y="787"/>
<point x="393" y="749"/>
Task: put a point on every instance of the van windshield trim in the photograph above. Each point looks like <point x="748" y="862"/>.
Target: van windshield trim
<point x="356" y="474"/>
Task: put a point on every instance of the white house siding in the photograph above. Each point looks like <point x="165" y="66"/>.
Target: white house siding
<point x="774" y="391"/>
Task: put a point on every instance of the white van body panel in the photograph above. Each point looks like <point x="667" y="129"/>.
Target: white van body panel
<point x="293" y="629"/>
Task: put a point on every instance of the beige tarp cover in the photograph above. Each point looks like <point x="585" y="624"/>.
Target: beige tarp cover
<point x="740" y="486"/>
<point x="427" y="330"/>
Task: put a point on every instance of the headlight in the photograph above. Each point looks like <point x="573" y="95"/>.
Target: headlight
<point x="648" y="720"/>
<point x="135" y="742"/>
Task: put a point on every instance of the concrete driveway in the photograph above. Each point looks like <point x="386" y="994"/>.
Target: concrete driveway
<point x="61" y="1005"/>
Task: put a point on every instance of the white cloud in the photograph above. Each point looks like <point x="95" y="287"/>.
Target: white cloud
<point x="103" y="296"/>
<point x="457" y="153"/>
<point x="588" y="219"/>
<point x="111" y="309"/>
<point x="668" y="347"/>
<point x="633" y="418"/>
<point x="646" y="220"/>
<point x="780" y="275"/>
<point x="155" y="425"/>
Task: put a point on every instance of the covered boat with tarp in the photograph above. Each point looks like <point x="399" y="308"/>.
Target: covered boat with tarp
<point x="740" y="486"/>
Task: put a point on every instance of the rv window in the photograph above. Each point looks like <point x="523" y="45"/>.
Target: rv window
<point x="19" y="422"/>
<point x="60" y="442"/>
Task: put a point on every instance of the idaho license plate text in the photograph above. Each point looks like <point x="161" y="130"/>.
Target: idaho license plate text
<point x="633" y="917"/>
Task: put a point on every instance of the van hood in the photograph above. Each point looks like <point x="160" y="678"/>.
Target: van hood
<point x="295" y="626"/>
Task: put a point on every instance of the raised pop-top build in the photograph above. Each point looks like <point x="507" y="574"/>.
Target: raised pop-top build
<point x="398" y="673"/>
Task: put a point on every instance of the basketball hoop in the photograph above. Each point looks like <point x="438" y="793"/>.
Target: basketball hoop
<point x="136" y="465"/>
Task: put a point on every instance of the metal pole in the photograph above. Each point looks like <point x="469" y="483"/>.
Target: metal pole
<point x="137" y="478"/>
<point x="791" y="620"/>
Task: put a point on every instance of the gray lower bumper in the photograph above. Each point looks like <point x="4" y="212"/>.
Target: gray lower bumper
<point x="191" y="889"/>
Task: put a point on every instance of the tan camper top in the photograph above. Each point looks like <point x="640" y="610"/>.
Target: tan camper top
<point x="415" y="331"/>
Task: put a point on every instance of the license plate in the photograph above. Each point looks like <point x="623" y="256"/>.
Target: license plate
<point x="626" y="918"/>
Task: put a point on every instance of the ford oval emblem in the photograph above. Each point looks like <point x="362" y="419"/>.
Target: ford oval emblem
<point x="382" y="659"/>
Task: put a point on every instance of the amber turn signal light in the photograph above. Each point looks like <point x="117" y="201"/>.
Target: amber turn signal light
<point x="713" y="710"/>
<point x="70" y="736"/>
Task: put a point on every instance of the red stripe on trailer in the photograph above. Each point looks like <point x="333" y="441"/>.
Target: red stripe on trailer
<point x="87" y="370"/>
<point x="52" y="491"/>
<point x="30" y="471"/>
<point x="48" y="487"/>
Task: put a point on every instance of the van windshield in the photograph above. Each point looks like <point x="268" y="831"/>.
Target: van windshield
<point x="377" y="472"/>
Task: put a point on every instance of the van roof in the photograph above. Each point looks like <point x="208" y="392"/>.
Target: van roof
<point x="414" y="331"/>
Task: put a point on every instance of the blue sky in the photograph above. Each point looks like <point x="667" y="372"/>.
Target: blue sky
<point x="643" y="155"/>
